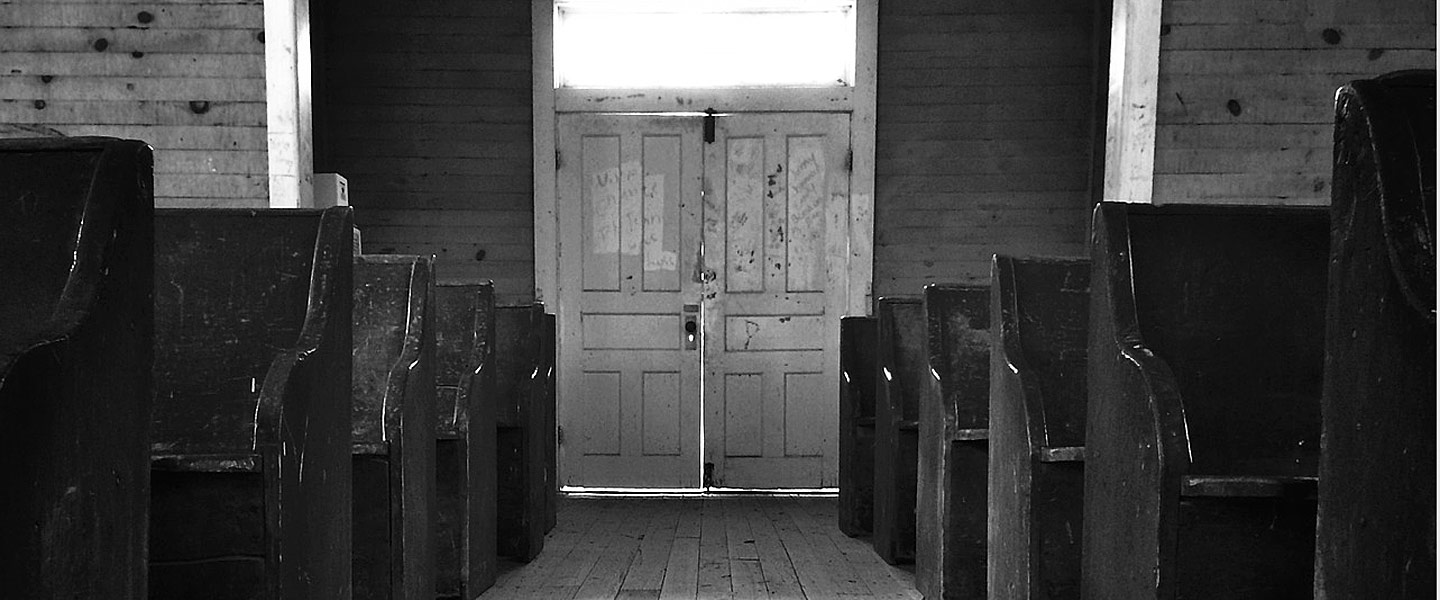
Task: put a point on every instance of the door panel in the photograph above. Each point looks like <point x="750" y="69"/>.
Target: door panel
<point x="630" y="404"/>
<point x="776" y="216"/>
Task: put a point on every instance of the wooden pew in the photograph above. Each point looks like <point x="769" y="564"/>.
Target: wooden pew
<point x="857" y="425"/>
<point x="250" y="447"/>
<point x="76" y="337"/>
<point x="954" y="443"/>
<point x="1039" y="317"/>
<point x="1376" y="534"/>
<point x="1204" y="372"/>
<point x="392" y="433"/>
<point x="520" y="429"/>
<point x="901" y="376"/>
<point x="465" y="439"/>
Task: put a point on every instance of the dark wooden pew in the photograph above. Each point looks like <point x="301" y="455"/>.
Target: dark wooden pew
<point x="954" y="443"/>
<point x="393" y="438"/>
<point x="1376" y="534"/>
<point x="858" y="365"/>
<point x="1204" y="373"/>
<point x="520" y="418"/>
<point x="1039" y="316"/>
<point x="76" y="338"/>
<point x="250" y="446"/>
<point x="902" y="382"/>
<point x="465" y="439"/>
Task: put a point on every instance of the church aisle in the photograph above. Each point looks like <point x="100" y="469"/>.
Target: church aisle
<point x="727" y="547"/>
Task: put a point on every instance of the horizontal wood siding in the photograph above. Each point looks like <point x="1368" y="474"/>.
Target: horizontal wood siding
<point x="424" y="107"/>
<point x="984" y="136"/>
<point x="1245" y="112"/>
<point x="188" y="77"/>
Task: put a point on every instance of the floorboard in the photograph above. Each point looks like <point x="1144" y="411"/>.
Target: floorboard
<point x="712" y="548"/>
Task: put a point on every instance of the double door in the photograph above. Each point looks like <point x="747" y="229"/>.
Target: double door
<point x="702" y="281"/>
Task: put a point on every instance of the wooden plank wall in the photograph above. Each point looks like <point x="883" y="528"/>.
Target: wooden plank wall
<point x="1246" y="92"/>
<point x="424" y="107"/>
<point x="187" y="76"/>
<point x="985" y="135"/>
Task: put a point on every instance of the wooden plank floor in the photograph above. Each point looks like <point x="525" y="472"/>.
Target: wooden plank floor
<point x="728" y="547"/>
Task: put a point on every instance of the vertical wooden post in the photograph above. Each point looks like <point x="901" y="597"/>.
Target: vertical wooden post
<point x="1130" y="116"/>
<point x="542" y="20"/>
<point x="288" y="103"/>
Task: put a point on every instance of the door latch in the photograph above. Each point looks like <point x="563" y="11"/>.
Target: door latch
<point x="691" y="321"/>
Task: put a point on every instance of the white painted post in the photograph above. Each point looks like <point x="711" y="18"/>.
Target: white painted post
<point x="1130" y="118"/>
<point x="542" y="18"/>
<point x="288" y="103"/>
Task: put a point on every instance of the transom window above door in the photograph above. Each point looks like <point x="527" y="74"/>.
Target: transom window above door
<point x="648" y="44"/>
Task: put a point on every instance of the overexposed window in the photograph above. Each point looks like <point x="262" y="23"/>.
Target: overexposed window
<point x="704" y="44"/>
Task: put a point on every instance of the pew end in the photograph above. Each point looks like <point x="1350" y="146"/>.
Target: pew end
<point x="76" y="351"/>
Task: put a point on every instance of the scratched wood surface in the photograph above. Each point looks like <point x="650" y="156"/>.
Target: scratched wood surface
<point x="731" y="547"/>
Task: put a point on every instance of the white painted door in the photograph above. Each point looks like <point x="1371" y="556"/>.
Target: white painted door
<point x="776" y="222"/>
<point x="759" y="266"/>
<point x="629" y="206"/>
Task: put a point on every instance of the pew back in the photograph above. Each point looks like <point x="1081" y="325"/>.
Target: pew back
<point x="1229" y="298"/>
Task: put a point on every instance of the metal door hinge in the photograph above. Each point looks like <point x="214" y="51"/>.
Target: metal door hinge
<point x="559" y="435"/>
<point x="557" y="160"/>
<point x="850" y="160"/>
<point x="709" y="125"/>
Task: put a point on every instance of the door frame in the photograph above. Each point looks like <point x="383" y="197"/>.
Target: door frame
<point x="857" y="100"/>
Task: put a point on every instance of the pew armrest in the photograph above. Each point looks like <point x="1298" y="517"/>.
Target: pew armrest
<point x="1061" y="454"/>
<point x="1248" y="487"/>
